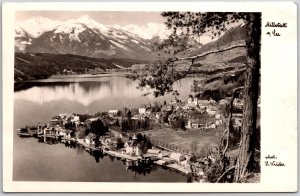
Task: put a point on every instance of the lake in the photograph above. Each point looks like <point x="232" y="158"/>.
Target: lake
<point x="38" y="101"/>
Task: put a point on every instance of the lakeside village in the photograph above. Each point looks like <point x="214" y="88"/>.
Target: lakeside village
<point x="128" y="133"/>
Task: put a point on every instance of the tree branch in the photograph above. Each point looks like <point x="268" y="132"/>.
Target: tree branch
<point x="213" y="51"/>
<point x="220" y="178"/>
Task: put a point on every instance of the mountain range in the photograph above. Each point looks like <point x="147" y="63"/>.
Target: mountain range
<point x="44" y="47"/>
<point x="85" y="36"/>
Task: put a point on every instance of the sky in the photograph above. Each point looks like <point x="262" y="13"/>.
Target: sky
<point x="103" y="17"/>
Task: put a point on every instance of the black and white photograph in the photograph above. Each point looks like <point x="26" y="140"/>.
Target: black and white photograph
<point x="139" y="96"/>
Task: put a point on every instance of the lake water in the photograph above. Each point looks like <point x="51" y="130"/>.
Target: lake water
<point x="40" y="100"/>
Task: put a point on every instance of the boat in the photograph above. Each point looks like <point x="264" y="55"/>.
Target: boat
<point x="23" y="132"/>
<point x="24" y="135"/>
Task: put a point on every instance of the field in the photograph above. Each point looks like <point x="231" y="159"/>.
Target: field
<point x="188" y="141"/>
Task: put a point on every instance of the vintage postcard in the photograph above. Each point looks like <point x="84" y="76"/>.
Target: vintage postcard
<point x="150" y="97"/>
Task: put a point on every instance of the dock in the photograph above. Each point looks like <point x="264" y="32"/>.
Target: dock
<point x="120" y="155"/>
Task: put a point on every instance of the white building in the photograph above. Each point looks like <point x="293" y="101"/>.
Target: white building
<point x="142" y="111"/>
<point x="177" y="156"/>
<point x="113" y="112"/>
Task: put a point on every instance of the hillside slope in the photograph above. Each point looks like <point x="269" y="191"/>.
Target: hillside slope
<point x="43" y="65"/>
<point x="223" y="71"/>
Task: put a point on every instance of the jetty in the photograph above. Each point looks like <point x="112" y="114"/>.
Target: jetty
<point x="120" y="155"/>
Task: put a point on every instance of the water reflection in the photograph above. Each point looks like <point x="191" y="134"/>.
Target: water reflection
<point x="136" y="167"/>
<point x="87" y="92"/>
<point x="40" y="101"/>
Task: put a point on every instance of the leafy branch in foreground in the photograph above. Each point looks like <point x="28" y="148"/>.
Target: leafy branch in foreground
<point x="186" y="27"/>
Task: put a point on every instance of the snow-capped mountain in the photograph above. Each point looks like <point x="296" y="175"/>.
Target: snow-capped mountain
<point x="85" y="36"/>
<point x="37" y="25"/>
<point x="148" y="31"/>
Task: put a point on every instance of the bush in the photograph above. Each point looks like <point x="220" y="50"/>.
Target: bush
<point x="120" y="143"/>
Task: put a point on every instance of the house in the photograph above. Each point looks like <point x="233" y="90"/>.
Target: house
<point x="149" y="110"/>
<point x="199" y="120"/>
<point x="93" y="119"/>
<point x="58" y="130"/>
<point x="75" y="119"/>
<point x="223" y="102"/>
<point x="157" y="115"/>
<point x="142" y="111"/>
<point x="203" y="103"/>
<point x="64" y="116"/>
<point x="177" y="156"/>
<point x="113" y="113"/>
<point x="90" y="139"/>
<point x="49" y="131"/>
<point x="167" y="108"/>
<point x="219" y="122"/>
<point x="218" y="116"/>
<point x="134" y="137"/>
<point x="66" y="133"/>
<point x="185" y="164"/>
<point x="153" y="151"/>
<point x="40" y="129"/>
<point x="192" y="99"/>
<point x="163" y="154"/>
<point x="210" y="126"/>
<point x="212" y="102"/>
<point x="211" y="110"/>
<point x="133" y="148"/>
<point x="238" y="103"/>
<point x="55" y="121"/>
<point x="189" y="106"/>
<point x="137" y="117"/>
<point x="196" y="103"/>
<point x="162" y="162"/>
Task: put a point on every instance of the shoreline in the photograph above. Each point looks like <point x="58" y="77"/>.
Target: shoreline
<point x="75" y="76"/>
<point x="81" y="76"/>
<point x="171" y="167"/>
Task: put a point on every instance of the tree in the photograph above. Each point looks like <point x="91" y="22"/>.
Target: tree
<point x="189" y="26"/>
<point x="98" y="128"/>
<point x="156" y="107"/>
<point x="120" y="143"/>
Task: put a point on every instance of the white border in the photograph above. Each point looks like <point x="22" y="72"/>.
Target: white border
<point x="279" y="98"/>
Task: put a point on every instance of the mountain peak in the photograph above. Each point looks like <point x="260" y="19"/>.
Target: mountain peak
<point x="84" y="19"/>
<point x="35" y="26"/>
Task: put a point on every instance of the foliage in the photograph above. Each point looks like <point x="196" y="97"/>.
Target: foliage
<point x="98" y="128"/>
<point x="70" y="125"/>
<point x="177" y="122"/>
<point x="144" y="142"/>
<point x="120" y="143"/>
<point x="128" y="124"/>
<point x="80" y="134"/>
<point x="84" y="117"/>
<point x="215" y="170"/>
<point x="187" y="26"/>
<point x="156" y="107"/>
